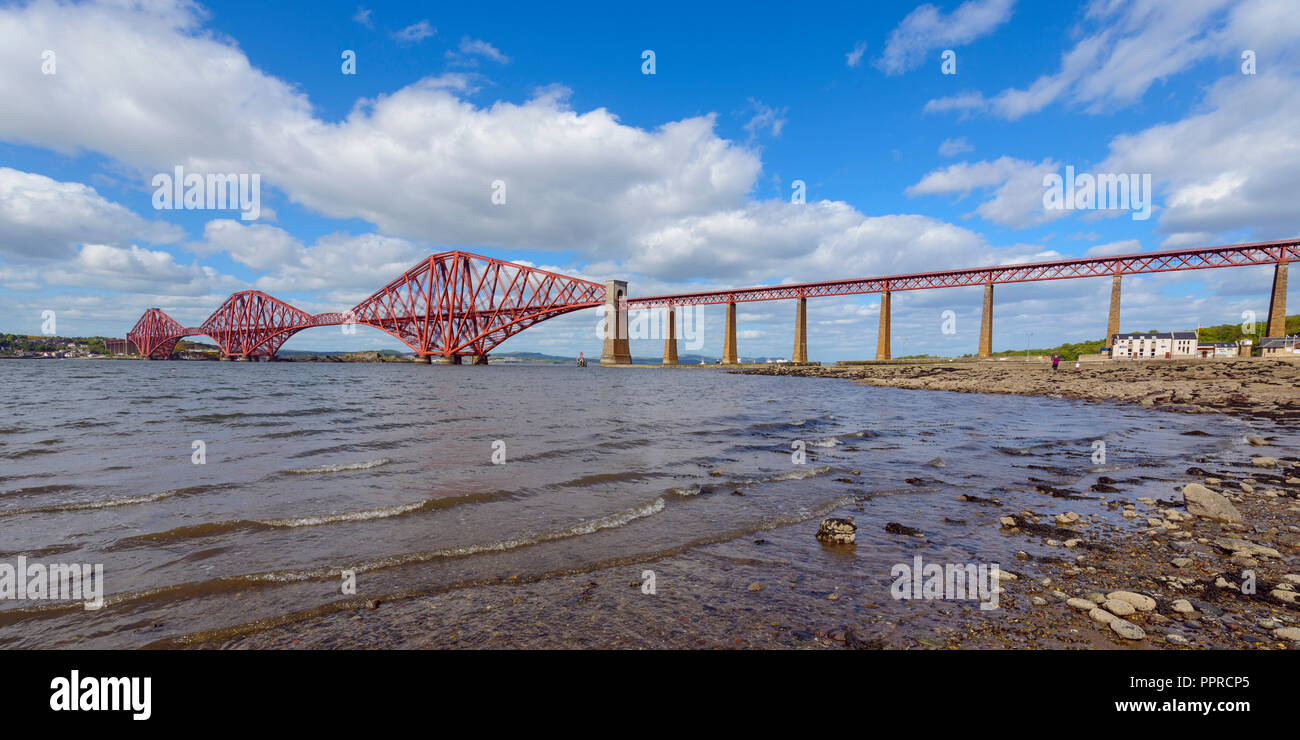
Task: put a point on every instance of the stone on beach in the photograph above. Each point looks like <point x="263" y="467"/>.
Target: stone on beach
<point x="1207" y="504"/>
<point x="896" y="528"/>
<point x="1119" y="608"/>
<point x="1127" y="629"/>
<point x="1138" y="601"/>
<point x="837" y="531"/>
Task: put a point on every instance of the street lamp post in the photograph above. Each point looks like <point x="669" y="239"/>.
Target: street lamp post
<point x="1028" y="335"/>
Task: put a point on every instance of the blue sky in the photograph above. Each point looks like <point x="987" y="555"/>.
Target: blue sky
<point x="674" y="180"/>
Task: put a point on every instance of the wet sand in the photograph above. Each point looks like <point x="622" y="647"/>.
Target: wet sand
<point x="1210" y="584"/>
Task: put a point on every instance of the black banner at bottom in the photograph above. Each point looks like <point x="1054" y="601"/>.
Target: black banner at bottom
<point x="150" y="689"/>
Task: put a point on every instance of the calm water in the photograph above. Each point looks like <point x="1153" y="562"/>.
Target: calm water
<point x="387" y="470"/>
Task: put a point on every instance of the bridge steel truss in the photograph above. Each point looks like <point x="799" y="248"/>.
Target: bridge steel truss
<point x="450" y="304"/>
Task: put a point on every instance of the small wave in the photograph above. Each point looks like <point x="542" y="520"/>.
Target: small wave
<point x="798" y="474"/>
<point x="82" y="506"/>
<point x="191" y="531"/>
<point x="27" y="453"/>
<point x="828" y="442"/>
<point x="347" y="516"/>
<point x="339" y="467"/>
<point x="37" y="490"/>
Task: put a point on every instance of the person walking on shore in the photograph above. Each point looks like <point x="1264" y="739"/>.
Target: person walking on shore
<point x="1056" y="360"/>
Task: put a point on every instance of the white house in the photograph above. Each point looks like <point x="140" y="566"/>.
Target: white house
<point x="1170" y="345"/>
<point x="1216" y="349"/>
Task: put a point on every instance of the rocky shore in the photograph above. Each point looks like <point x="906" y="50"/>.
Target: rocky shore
<point x="1252" y="388"/>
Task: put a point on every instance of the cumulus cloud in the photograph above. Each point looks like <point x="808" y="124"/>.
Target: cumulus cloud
<point x="342" y="267"/>
<point x="418" y="163"/>
<point x="1234" y="165"/>
<point x="105" y="267"/>
<point x="1016" y="185"/>
<point x="42" y="218"/>
<point x="927" y="29"/>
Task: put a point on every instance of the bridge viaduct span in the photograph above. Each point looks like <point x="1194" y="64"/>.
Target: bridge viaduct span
<point x="1276" y="253"/>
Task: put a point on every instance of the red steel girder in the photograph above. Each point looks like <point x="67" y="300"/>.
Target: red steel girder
<point x="251" y="323"/>
<point x="1260" y="253"/>
<point x="458" y="303"/>
<point x="155" y="334"/>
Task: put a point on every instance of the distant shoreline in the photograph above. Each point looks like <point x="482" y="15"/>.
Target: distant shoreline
<point x="1250" y="387"/>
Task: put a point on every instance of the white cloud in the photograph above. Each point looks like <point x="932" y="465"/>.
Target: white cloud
<point x="1232" y="165"/>
<point x="927" y="29"/>
<point x="418" y="163"/>
<point x="1110" y="249"/>
<point x="964" y="103"/>
<point x="854" y="58"/>
<point x="415" y="33"/>
<point x="1017" y="184"/>
<point x="953" y="147"/>
<point x="344" y="267"/>
<point x="362" y="16"/>
<point x="42" y="218"/>
<point x="765" y="119"/>
<point x="475" y="47"/>
<point x="105" y="267"/>
<point x="1128" y="47"/>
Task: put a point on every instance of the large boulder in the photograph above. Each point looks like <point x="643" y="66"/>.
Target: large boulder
<point x="1207" y="504"/>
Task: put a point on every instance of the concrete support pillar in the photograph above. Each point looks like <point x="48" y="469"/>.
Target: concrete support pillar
<point x="670" y="340"/>
<point x="986" y="323"/>
<point x="1112" y="323"/>
<point x="729" y="356"/>
<point x="1277" y="305"/>
<point x="449" y="360"/>
<point x="882" y="337"/>
<point x="426" y="359"/>
<point x="615" y="350"/>
<point x="480" y="359"/>
<point x="224" y="357"/>
<point x="800" y="353"/>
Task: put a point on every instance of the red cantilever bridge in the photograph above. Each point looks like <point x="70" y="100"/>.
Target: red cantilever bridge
<point x="457" y="304"/>
<point x="452" y="304"/>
